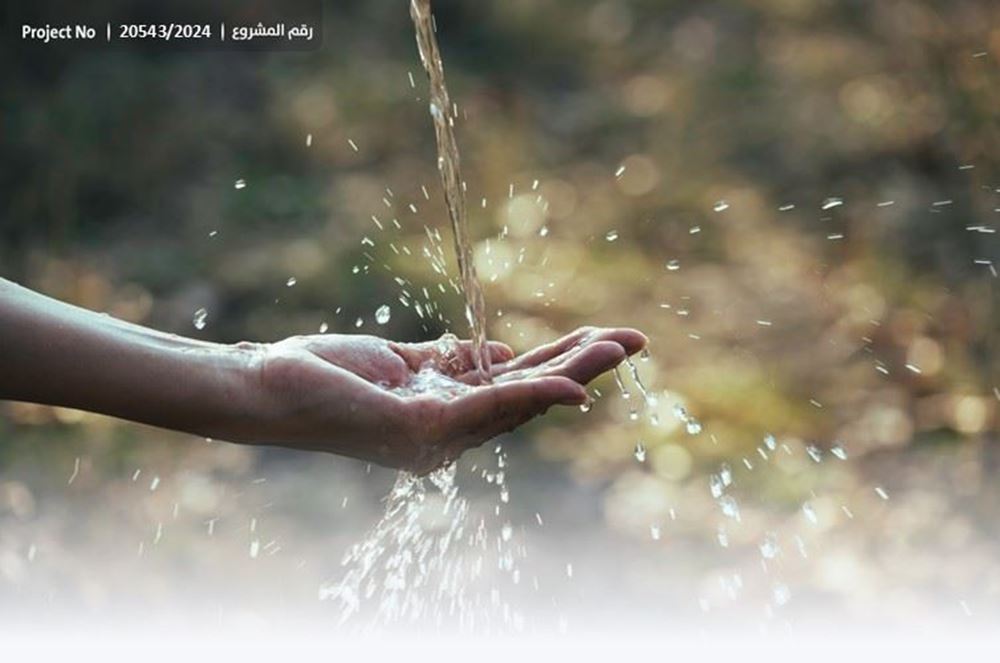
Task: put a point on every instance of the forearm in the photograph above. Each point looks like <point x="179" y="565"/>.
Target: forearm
<point x="57" y="354"/>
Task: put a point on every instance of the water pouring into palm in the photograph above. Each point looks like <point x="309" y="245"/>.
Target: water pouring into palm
<point x="449" y="166"/>
<point x="525" y="386"/>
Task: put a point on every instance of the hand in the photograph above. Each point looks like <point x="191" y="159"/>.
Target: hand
<point x="418" y="406"/>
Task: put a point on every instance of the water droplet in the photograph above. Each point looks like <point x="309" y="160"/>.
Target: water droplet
<point x="506" y="532"/>
<point x="291" y="281"/>
<point x="720" y="206"/>
<point x="673" y="265"/>
<point x="640" y="452"/>
<point x="880" y="491"/>
<point x="782" y="594"/>
<point x="832" y="202"/>
<point x="770" y="442"/>
<point x="839" y="451"/>
<point x="611" y="235"/>
<point x="810" y="513"/>
<point x="716" y="485"/>
<point x="730" y="507"/>
<point x="200" y="318"/>
<point x="323" y="328"/>
<point x="814" y="452"/>
<point x="654" y="532"/>
<point x="587" y="407"/>
<point x="726" y="474"/>
<point x="240" y="184"/>
<point x="769" y="548"/>
<point x="358" y="323"/>
<point x="693" y="427"/>
<point x="383" y="314"/>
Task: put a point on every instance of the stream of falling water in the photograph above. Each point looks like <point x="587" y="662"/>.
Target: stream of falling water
<point x="443" y="112"/>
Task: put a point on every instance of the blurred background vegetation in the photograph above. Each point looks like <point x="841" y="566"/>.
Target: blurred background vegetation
<point x="795" y="199"/>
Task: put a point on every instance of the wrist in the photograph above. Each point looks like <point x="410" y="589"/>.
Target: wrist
<point x="244" y="405"/>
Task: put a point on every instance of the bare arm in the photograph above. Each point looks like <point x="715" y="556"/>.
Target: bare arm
<point x="346" y="394"/>
<point x="58" y="354"/>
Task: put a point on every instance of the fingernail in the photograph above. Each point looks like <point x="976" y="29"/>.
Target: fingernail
<point x="574" y="398"/>
<point x="643" y="337"/>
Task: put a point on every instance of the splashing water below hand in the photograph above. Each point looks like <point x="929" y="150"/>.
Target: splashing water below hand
<point x="425" y="560"/>
<point x="421" y="562"/>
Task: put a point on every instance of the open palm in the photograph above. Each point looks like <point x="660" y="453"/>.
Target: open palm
<point x="370" y="398"/>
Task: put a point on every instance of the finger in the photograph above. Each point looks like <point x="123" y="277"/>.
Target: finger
<point x="581" y="366"/>
<point x="451" y="358"/>
<point x="630" y="340"/>
<point x="462" y="360"/>
<point x="499" y="351"/>
<point x="482" y="409"/>
<point x="548" y="351"/>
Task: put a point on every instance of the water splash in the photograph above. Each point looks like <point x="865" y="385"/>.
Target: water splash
<point x="426" y="560"/>
<point x="404" y="553"/>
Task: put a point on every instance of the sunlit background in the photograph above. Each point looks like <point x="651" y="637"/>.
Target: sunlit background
<point x="795" y="199"/>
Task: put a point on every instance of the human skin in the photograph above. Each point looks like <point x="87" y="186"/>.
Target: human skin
<point x="335" y="393"/>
